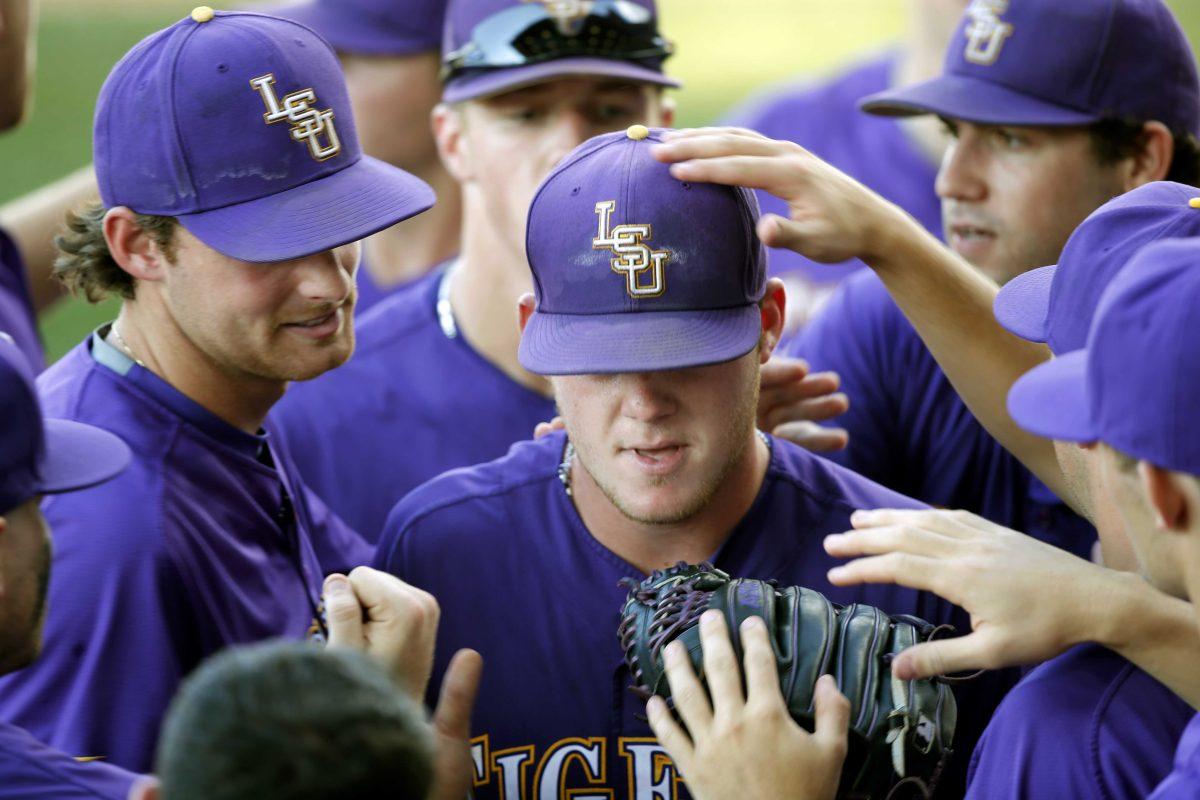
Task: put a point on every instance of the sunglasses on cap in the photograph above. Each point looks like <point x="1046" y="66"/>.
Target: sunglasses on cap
<point x="546" y="31"/>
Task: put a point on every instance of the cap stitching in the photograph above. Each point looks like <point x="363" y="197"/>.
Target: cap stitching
<point x="173" y="117"/>
<point x="1105" y="41"/>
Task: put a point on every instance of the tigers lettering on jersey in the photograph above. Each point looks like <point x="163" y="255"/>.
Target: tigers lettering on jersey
<point x="986" y="33"/>
<point x="576" y="768"/>
<point x="644" y="269"/>
<point x="307" y="123"/>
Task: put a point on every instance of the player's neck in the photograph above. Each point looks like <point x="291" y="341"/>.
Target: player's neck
<point x="649" y="547"/>
<point x="488" y="280"/>
<point x="149" y="335"/>
<point x="406" y="251"/>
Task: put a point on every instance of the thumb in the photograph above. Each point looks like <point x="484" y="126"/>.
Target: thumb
<point x="775" y="231"/>
<point x="832" y="711"/>
<point x="452" y="717"/>
<point x="343" y="613"/>
<point x="941" y="657"/>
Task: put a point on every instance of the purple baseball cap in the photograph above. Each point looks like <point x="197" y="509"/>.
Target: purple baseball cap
<point x="635" y="271"/>
<point x="1059" y="62"/>
<point x="239" y="125"/>
<point x="1055" y="304"/>
<point x="46" y="456"/>
<point x="372" y="27"/>
<point x="1135" y="385"/>
<point x="494" y="46"/>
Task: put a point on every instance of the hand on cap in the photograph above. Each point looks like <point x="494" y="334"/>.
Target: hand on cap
<point x="1028" y="601"/>
<point x="746" y="744"/>
<point x="383" y="616"/>
<point x="832" y="216"/>
<point x="792" y="401"/>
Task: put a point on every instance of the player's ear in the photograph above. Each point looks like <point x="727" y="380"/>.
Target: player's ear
<point x="1151" y="161"/>
<point x="1167" y="496"/>
<point x="132" y="247"/>
<point x="773" y="309"/>
<point x="145" y="788"/>
<point x="525" y="307"/>
<point x="449" y="126"/>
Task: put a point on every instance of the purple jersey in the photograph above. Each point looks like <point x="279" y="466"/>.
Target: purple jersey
<point x="1184" y="781"/>
<point x="522" y="580"/>
<point x="825" y="119"/>
<point x="29" y="770"/>
<point x="369" y="291"/>
<point x="1085" y="724"/>
<point x="207" y="540"/>
<point x="415" y="401"/>
<point x="909" y="429"/>
<point x="16" y="308"/>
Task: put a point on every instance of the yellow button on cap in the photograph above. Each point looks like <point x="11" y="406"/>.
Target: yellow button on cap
<point x="1194" y="202"/>
<point x="637" y="132"/>
<point x="202" y="14"/>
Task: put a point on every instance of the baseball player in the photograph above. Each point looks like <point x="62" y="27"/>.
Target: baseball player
<point x="1034" y="153"/>
<point x="389" y="52"/>
<point x="234" y="191"/>
<point x="436" y="384"/>
<point x="653" y="316"/>
<point x="897" y="158"/>
<point x="41" y="457"/>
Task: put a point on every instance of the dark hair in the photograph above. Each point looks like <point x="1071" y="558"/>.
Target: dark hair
<point x="1117" y="139"/>
<point x="293" y="721"/>
<point x="86" y="267"/>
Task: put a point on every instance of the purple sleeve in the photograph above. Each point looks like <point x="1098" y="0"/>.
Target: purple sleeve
<point x="17" y="317"/>
<point x="1184" y="781"/>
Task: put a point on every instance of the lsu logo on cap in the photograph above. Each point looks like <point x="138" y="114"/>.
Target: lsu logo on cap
<point x="568" y="14"/>
<point x="986" y="33"/>
<point x="308" y="124"/>
<point x="643" y="268"/>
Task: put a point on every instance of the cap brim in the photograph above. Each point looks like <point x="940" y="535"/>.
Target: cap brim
<point x="78" y="456"/>
<point x="973" y="100"/>
<point x="351" y="32"/>
<point x="486" y="83"/>
<point x="1023" y="305"/>
<point x="346" y="206"/>
<point x="1051" y="400"/>
<point x="645" y="341"/>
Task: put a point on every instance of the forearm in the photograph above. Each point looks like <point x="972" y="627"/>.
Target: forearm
<point x="35" y="219"/>
<point x="950" y="305"/>
<point x="1155" y="631"/>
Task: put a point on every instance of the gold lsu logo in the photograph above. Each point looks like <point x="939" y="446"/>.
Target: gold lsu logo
<point x="986" y="33"/>
<point x="643" y="268"/>
<point x="307" y="123"/>
<point x="568" y="14"/>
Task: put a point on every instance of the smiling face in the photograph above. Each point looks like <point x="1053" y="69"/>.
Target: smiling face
<point x="1011" y="196"/>
<point x="659" y="445"/>
<point x="283" y="321"/>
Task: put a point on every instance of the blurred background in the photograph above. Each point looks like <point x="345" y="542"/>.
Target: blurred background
<point x="726" y="50"/>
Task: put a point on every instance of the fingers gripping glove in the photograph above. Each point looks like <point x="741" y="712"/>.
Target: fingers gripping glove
<point x="900" y="731"/>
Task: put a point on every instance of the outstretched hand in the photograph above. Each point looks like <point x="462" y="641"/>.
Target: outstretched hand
<point x="1028" y="601"/>
<point x="831" y="218"/>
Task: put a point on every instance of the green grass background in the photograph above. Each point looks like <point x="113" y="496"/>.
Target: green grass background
<point x="726" y="49"/>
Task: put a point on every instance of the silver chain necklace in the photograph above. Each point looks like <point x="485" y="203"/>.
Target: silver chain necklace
<point x="124" y="346"/>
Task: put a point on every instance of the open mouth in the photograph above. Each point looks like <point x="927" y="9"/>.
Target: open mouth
<point x="318" y="327"/>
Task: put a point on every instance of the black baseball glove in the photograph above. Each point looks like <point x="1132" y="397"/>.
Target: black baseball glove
<point x="900" y="731"/>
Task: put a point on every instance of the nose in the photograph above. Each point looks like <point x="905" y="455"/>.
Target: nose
<point x="571" y="129"/>
<point x="960" y="176"/>
<point x="645" y="398"/>
<point x="328" y="277"/>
